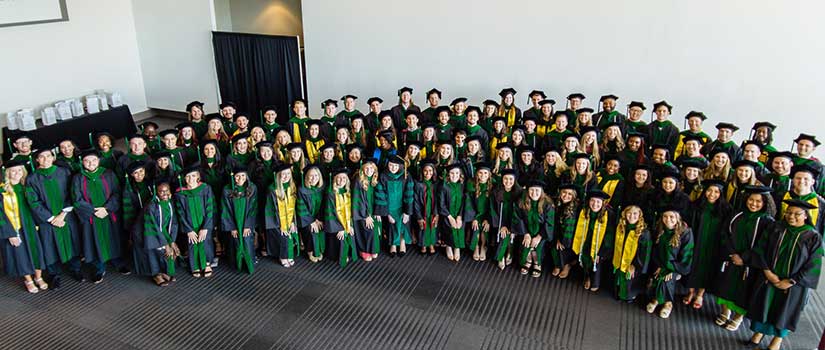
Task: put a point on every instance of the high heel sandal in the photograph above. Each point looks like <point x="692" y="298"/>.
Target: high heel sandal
<point x="31" y="288"/>
<point x="41" y="284"/>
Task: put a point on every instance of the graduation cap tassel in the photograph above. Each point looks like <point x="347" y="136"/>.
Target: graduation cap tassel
<point x="180" y="183"/>
<point x="8" y="142"/>
<point x="261" y="114"/>
<point x="684" y="124"/>
<point x="90" y="140"/>
<point x="652" y="113"/>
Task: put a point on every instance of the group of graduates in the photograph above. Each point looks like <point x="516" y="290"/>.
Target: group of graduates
<point x="640" y="208"/>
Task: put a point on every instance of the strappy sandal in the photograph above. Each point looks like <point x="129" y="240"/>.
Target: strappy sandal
<point x="651" y="307"/>
<point x="536" y="273"/>
<point x="687" y="299"/>
<point x="482" y="254"/>
<point x="501" y="265"/>
<point x="697" y="302"/>
<point x="665" y="311"/>
<point x="733" y="324"/>
<point x="722" y="320"/>
<point x="207" y="272"/>
<point x="160" y="281"/>
<point x="196" y="273"/>
<point x="564" y="272"/>
<point x="31" y="288"/>
<point x="291" y="262"/>
<point x="555" y="271"/>
<point x="41" y="284"/>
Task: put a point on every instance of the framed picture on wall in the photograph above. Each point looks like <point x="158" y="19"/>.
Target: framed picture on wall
<point x="26" y="12"/>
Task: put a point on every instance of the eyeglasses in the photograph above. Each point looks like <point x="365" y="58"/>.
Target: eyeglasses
<point x="795" y="214"/>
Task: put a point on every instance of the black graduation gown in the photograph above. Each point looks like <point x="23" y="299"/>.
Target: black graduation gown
<point x="423" y="212"/>
<point x="243" y="245"/>
<point x="28" y="256"/>
<point x="135" y="197"/>
<point x="451" y="237"/>
<point x="527" y="173"/>
<point x="45" y="206"/>
<point x="127" y="159"/>
<point x="706" y="244"/>
<point x="284" y="245"/>
<point x="398" y="118"/>
<point x="97" y="245"/>
<point x="189" y="221"/>
<point x="308" y="211"/>
<point x="565" y="230"/>
<point x="363" y="206"/>
<point x="676" y="199"/>
<point x="546" y="229"/>
<point x="737" y="283"/>
<point x="158" y="230"/>
<point x="670" y="259"/>
<point x="782" y="309"/>
<point x="629" y="288"/>
<point x="343" y="250"/>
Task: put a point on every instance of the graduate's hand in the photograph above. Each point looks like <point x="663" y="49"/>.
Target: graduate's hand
<point x="193" y="237"/>
<point x="421" y="224"/>
<point x="458" y="222"/>
<point x="485" y="226"/>
<point x="656" y="273"/>
<point x="772" y="277"/>
<point x="669" y="277"/>
<point x="169" y="252"/>
<point x="391" y="220"/>
<point x="596" y="260"/>
<point x="783" y="284"/>
<point x="474" y="225"/>
<point x="234" y="233"/>
<point x="292" y="227"/>
<point x="503" y="232"/>
<point x="201" y="235"/>
<point x="247" y="232"/>
<point x="369" y="223"/>
<point x="737" y="260"/>
<point x="434" y="222"/>
<point x="451" y="221"/>
<point x="101" y="213"/>
<point x="340" y="235"/>
<point x="535" y="241"/>
<point x="526" y="241"/>
<point x="15" y="241"/>
<point x="405" y="219"/>
<point x="377" y="218"/>
<point x="631" y="271"/>
<point x="58" y="221"/>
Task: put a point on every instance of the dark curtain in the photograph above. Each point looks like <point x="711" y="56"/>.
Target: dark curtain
<point x="258" y="70"/>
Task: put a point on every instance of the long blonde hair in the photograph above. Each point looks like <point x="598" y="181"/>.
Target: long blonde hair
<point x="619" y="139"/>
<point x="279" y="189"/>
<point x="543" y="200"/>
<point x="368" y="181"/>
<point x="713" y="172"/>
<point x="320" y="178"/>
<point x="640" y="226"/>
<point x="678" y="230"/>
<point x="7" y="186"/>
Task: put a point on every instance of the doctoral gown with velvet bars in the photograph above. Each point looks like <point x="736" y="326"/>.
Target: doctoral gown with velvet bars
<point x="160" y="228"/>
<point x="47" y="192"/>
<point x="28" y="256"/>
<point x="196" y="211"/>
<point x="101" y="237"/>
<point x="240" y="209"/>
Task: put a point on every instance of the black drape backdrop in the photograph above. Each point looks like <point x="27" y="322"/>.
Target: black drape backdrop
<point x="258" y="70"/>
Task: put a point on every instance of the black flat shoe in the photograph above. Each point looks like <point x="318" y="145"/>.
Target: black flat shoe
<point x="97" y="278"/>
<point x="78" y="276"/>
<point x="430" y="253"/>
<point x="392" y="254"/>
<point x="124" y="271"/>
<point x="55" y="283"/>
<point x="401" y="254"/>
<point x="748" y="343"/>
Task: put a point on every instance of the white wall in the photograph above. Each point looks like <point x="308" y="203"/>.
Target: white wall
<point x="272" y="17"/>
<point x="95" y="49"/>
<point x="175" y="42"/>
<point x="737" y="60"/>
<point x="223" y="16"/>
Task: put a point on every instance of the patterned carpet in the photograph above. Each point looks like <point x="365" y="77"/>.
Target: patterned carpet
<point x="413" y="302"/>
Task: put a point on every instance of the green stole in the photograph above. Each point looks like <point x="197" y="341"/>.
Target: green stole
<point x="27" y="225"/>
<point x="197" y="216"/>
<point x="62" y="235"/>
<point x="482" y="204"/>
<point x="429" y="231"/>
<point x="455" y="205"/>
<point x="95" y="193"/>
<point x="239" y="204"/>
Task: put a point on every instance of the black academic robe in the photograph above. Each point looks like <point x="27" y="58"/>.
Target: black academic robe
<point x="544" y="228"/>
<point x="109" y="159"/>
<point x="527" y="173"/>
<point x="740" y="234"/>
<point x="668" y="134"/>
<point x="343" y="250"/>
<point x="196" y="211"/>
<point x="502" y="213"/>
<point x="160" y="228"/>
<point x="731" y="148"/>
<point x="310" y="207"/>
<point x="782" y="309"/>
<point x="134" y="199"/>
<point x="676" y="199"/>
<point x="603" y="118"/>
<point x="452" y="237"/>
<point x="363" y="206"/>
<point x="669" y="259"/>
<point x="45" y="204"/>
<point x="28" y="256"/>
<point x="627" y="287"/>
<point x="422" y="194"/>
<point x="127" y="159"/>
<point x="640" y="197"/>
<point x="707" y="224"/>
<point x="399" y="120"/>
<point x="240" y="209"/>
<point x="101" y="237"/>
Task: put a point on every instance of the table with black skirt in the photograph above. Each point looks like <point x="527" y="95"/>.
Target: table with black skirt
<point x="116" y="121"/>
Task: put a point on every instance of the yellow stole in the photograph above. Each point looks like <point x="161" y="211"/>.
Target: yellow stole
<point x="509" y="114"/>
<point x="730" y="191"/>
<point x="623" y="254"/>
<point x="609" y="187"/>
<point x="286" y="209"/>
<point x="581" y="233"/>
<point x="813" y="201"/>
<point x="495" y="140"/>
<point x="343" y="210"/>
<point x="12" y="209"/>
<point x="313" y="152"/>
